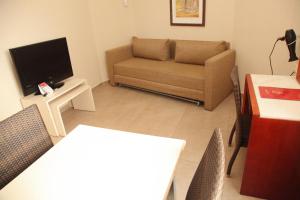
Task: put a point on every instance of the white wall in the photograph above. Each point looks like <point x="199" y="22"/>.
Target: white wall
<point x="29" y="21"/>
<point x="113" y="26"/>
<point x="251" y="26"/>
<point x="257" y="25"/>
<point x="152" y="19"/>
<point x="94" y="26"/>
<point x="91" y="27"/>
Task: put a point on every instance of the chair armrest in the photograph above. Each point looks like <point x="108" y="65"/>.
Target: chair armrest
<point x="218" y="83"/>
<point x="114" y="56"/>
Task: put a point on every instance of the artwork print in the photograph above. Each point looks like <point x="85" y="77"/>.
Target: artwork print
<point x="187" y="12"/>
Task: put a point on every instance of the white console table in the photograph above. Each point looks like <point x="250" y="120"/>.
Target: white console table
<point x="75" y="90"/>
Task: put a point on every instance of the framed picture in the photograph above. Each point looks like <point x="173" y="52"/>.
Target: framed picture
<point x="187" y="12"/>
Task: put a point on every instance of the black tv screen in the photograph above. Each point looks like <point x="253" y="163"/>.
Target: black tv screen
<point x="47" y="61"/>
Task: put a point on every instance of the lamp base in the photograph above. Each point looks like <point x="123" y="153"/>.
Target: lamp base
<point x="298" y="73"/>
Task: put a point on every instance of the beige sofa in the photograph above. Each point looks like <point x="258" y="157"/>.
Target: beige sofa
<point x="197" y="70"/>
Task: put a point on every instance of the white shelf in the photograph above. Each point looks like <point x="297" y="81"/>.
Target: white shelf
<point x="75" y="90"/>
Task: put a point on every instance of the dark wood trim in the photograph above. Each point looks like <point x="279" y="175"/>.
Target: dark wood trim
<point x="272" y="165"/>
<point x="298" y="73"/>
<point x="253" y="100"/>
<point x="186" y="24"/>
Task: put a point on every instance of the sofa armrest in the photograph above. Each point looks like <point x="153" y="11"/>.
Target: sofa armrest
<point x="218" y="83"/>
<point x="114" y="56"/>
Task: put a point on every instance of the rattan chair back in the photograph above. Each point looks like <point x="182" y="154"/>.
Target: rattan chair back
<point x="207" y="183"/>
<point x="23" y="139"/>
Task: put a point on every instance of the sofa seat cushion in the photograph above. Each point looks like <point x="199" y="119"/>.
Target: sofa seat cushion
<point x="166" y="72"/>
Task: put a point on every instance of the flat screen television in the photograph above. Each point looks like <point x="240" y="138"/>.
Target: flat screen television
<point x="47" y="61"/>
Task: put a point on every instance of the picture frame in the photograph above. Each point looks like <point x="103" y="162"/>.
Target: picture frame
<point x="187" y="12"/>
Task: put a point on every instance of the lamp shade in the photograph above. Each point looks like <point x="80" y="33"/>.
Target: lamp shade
<point x="290" y="39"/>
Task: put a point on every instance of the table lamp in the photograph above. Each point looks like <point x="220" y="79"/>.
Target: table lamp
<point x="290" y="39"/>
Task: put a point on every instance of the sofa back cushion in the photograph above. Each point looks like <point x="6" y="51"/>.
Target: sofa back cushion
<point x="197" y="52"/>
<point x="157" y="49"/>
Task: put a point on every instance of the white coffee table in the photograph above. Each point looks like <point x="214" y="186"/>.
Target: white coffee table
<point x="96" y="163"/>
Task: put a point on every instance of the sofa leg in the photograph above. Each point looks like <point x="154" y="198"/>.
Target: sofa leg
<point x="112" y="83"/>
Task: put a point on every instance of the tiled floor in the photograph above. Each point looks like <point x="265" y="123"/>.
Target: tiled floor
<point x="136" y="111"/>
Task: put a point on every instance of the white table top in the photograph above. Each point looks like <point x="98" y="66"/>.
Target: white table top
<point x="276" y="108"/>
<point x="96" y="163"/>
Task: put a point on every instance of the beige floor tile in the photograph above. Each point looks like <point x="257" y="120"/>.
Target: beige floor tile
<point x="183" y="176"/>
<point x="142" y="112"/>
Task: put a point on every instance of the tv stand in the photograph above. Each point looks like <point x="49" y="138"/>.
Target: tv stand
<point x="75" y="90"/>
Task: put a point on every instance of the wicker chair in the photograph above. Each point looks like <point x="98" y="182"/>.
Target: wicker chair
<point x="23" y="139"/>
<point x="207" y="183"/>
<point x="242" y="123"/>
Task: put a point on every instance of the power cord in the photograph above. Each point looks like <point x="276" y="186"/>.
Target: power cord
<point x="270" y="59"/>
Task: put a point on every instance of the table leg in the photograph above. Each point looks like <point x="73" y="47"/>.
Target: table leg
<point x="171" y="194"/>
<point x="84" y="101"/>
